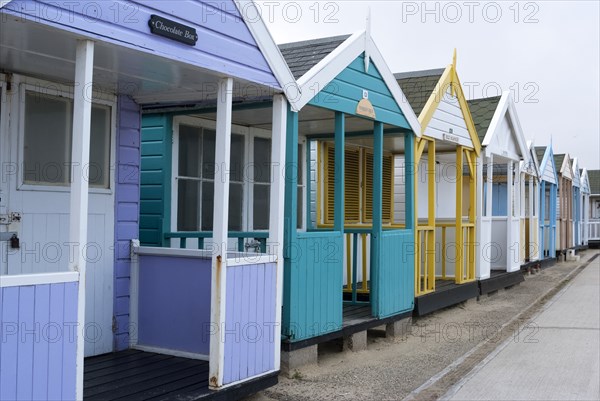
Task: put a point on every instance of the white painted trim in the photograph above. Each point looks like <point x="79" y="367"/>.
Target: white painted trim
<point x="277" y="206"/>
<point x="166" y="351"/>
<point x="82" y="115"/>
<point x="506" y="107"/>
<point x="321" y="74"/>
<point x="134" y="292"/>
<point x="393" y="86"/>
<point x="575" y="171"/>
<point x="220" y="234"/>
<point x="18" y="280"/>
<point x="248" y="379"/>
<point x="176" y="252"/>
<point x="251" y="259"/>
<point x="270" y="52"/>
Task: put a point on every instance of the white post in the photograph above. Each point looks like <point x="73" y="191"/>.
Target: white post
<point x="80" y="155"/>
<point x="532" y="191"/>
<point x="220" y="225"/>
<point x="278" y="148"/>
<point x="509" y="214"/>
<point x="480" y="215"/>
<point x="489" y="189"/>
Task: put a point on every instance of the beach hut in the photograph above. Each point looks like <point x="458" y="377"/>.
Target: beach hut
<point x="445" y="188"/>
<point x="594" y="208"/>
<point x="584" y="208"/>
<point x="529" y="226"/>
<point x="577" y="204"/>
<point x="547" y="204"/>
<point x="349" y="262"/>
<point x="564" y="232"/>
<point x="85" y="311"/>
<point x="503" y="147"/>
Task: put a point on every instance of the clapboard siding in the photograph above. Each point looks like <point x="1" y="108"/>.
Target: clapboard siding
<point x="39" y="342"/>
<point x="548" y="172"/>
<point x="448" y="116"/>
<point x="224" y="45"/>
<point x="155" y="213"/>
<point x="250" y="328"/>
<point x="504" y="139"/>
<point x="174" y="303"/>
<point x="313" y="285"/>
<point x="345" y="91"/>
<point x="127" y="210"/>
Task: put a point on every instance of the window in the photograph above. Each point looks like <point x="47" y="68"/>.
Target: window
<point x="262" y="183"/>
<point x="47" y="141"/>
<point x="195" y="177"/>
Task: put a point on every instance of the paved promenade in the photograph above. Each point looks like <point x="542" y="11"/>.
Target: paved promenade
<point x="556" y="358"/>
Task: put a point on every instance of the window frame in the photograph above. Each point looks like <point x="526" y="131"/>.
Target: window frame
<point x="62" y="91"/>
<point x="206" y="124"/>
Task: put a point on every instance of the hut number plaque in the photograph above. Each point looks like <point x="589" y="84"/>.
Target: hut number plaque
<point x="173" y="30"/>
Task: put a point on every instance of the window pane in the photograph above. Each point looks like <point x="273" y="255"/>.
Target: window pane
<point x="262" y="160"/>
<point x="208" y="155"/>
<point x="260" y="210"/>
<point x="236" y="196"/>
<point x="99" y="170"/>
<point x="189" y="145"/>
<point x="208" y="189"/>
<point x="236" y="158"/>
<point x="47" y="144"/>
<point x="187" y="205"/>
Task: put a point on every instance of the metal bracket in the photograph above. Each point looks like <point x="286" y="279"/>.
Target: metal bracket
<point x="7" y="236"/>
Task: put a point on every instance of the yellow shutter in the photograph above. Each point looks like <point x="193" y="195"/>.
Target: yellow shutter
<point x="329" y="167"/>
<point x="351" y="184"/>
<point x="367" y="194"/>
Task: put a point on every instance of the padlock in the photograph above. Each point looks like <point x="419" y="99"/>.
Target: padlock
<point x="14" y="242"/>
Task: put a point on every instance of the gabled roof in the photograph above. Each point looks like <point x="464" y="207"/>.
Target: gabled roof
<point x="302" y="56"/>
<point x="320" y="73"/>
<point x="418" y="86"/>
<point x="540" y="151"/>
<point x="530" y="164"/>
<point x="585" y="181"/>
<point x="558" y="161"/>
<point x="483" y="111"/>
<point x="269" y="50"/>
<point x="594" y="178"/>
<point x="545" y="155"/>
<point x="427" y="92"/>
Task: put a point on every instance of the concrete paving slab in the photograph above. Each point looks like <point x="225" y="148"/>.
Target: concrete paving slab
<point x="557" y="358"/>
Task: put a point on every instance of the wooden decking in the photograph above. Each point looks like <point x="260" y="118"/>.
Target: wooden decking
<point x="356" y="317"/>
<point x="446" y="294"/>
<point x="500" y="279"/>
<point x="356" y="314"/>
<point x="135" y="375"/>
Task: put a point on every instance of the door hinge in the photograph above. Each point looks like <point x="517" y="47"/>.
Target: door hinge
<point x="115" y="326"/>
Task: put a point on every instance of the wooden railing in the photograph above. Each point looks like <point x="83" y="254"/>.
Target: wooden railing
<point x="260" y="237"/>
<point x="594" y="229"/>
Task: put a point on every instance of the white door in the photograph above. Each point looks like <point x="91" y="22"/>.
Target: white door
<point x="39" y="197"/>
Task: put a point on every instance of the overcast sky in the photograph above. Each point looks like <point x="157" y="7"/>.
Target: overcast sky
<point x="546" y="53"/>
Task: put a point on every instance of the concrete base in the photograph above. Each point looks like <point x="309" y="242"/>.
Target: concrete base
<point x="401" y="328"/>
<point x="291" y="361"/>
<point x="356" y="342"/>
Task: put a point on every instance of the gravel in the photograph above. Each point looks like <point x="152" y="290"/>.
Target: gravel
<point x="391" y="370"/>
